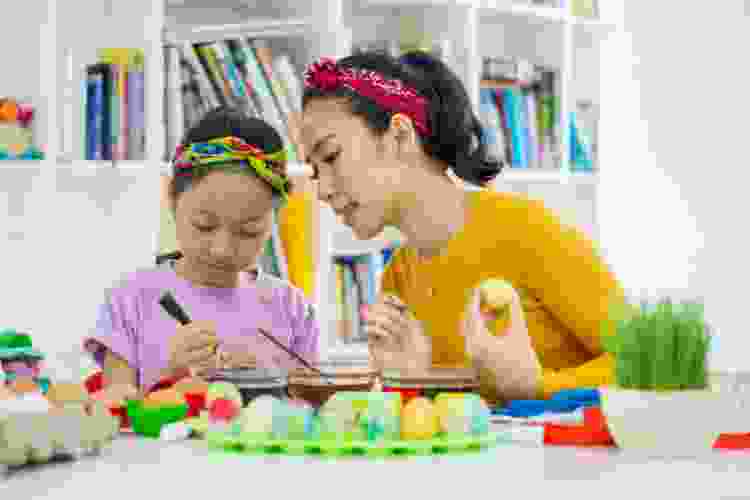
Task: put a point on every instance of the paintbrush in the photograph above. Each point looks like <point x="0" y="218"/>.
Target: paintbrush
<point x="293" y="354"/>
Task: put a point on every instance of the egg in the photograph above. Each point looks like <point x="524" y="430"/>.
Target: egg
<point x="300" y="421"/>
<point x="258" y="418"/>
<point x="419" y="420"/>
<point x="495" y="299"/>
<point x="339" y="420"/>
<point x="462" y="414"/>
<point x="6" y="393"/>
<point x="223" y="390"/>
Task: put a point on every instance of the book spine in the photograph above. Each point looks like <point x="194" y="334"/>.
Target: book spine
<point x="136" y="113"/>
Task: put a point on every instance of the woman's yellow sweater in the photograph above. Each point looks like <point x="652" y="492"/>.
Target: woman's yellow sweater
<point x="566" y="288"/>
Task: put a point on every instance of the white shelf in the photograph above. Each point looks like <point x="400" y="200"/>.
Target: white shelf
<point x="255" y="28"/>
<point x="531" y="176"/>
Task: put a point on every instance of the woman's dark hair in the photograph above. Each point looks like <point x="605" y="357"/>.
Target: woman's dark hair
<point x="456" y="132"/>
<point x="223" y="122"/>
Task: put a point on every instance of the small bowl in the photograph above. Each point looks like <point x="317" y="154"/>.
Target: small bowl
<point x="316" y="389"/>
<point x="253" y="383"/>
<point x="429" y="383"/>
<point x="665" y="424"/>
<point x="148" y="422"/>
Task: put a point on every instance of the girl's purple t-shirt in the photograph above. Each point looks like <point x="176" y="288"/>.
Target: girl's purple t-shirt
<point x="133" y="325"/>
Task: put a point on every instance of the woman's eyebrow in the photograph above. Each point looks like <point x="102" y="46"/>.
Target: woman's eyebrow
<point x="319" y="144"/>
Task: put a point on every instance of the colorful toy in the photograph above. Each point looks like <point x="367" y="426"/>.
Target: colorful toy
<point x="148" y="420"/>
<point x="462" y="414"/>
<point x="223" y="390"/>
<point x="16" y="139"/>
<point x="20" y="359"/>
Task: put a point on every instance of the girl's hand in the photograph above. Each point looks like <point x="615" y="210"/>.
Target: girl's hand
<point x="193" y="348"/>
<point x="395" y="338"/>
<point x="508" y="356"/>
<point x="231" y="357"/>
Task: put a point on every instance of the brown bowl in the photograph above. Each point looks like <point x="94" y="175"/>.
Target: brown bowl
<point x="316" y="389"/>
<point x="429" y="383"/>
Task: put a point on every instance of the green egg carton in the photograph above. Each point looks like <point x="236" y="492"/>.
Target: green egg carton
<point x="385" y="448"/>
<point x="148" y="422"/>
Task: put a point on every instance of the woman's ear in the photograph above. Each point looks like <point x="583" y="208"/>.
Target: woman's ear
<point x="404" y="134"/>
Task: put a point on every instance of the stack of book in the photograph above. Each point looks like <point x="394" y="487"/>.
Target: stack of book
<point x="519" y="110"/>
<point x="241" y="73"/>
<point x="115" y="106"/>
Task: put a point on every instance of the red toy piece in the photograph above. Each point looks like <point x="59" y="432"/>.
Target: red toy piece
<point x="223" y="410"/>
<point x="593" y="432"/>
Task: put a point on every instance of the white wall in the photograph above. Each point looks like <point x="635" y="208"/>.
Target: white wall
<point x="674" y="175"/>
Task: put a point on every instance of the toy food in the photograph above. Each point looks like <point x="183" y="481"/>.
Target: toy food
<point x="317" y="389"/>
<point x="419" y="420"/>
<point x="495" y="299"/>
<point x="253" y="383"/>
<point x="60" y="394"/>
<point x="223" y="390"/>
<point x="23" y="385"/>
<point x="116" y="395"/>
<point x="149" y="420"/>
<point x="462" y="414"/>
<point x="430" y="382"/>
<point x="191" y="385"/>
<point x="163" y="397"/>
<point x="223" y="409"/>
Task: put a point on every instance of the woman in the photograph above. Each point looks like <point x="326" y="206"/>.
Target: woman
<point x="229" y="174"/>
<point x="382" y="135"/>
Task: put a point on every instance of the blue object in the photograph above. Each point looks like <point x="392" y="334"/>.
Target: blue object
<point x="561" y="402"/>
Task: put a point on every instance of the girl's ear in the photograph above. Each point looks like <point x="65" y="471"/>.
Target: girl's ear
<point x="404" y="134"/>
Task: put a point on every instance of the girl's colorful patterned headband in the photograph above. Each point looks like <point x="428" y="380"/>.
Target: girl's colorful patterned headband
<point x="327" y="76"/>
<point x="206" y="155"/>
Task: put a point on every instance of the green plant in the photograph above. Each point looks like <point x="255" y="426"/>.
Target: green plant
<point x="660" y="346"/>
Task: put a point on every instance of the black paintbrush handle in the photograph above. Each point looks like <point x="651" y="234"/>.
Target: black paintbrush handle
<point x="173" y="308"/>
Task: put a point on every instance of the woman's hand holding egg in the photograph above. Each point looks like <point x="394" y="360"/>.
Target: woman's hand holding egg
<point x="395" y="337"/>
<point x="508" y="353"/>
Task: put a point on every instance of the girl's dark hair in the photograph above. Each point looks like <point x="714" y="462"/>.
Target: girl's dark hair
<point x="456" y="132"/>
<point x="223" y="122"/>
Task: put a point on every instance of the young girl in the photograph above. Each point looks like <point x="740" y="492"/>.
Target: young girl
<point x="382" y="135"/>
<point x="228" y="176"/>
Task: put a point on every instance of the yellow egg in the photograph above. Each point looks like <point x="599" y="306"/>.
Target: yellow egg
<point x="419" y="420"/>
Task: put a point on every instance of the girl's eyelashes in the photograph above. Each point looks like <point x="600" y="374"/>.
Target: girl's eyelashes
<point x="328" y="159"/>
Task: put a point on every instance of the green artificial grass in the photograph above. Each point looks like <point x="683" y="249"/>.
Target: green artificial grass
<point x="660" y="346"/>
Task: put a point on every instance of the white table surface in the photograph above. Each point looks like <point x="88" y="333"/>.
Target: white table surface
<point x="135" y="468"/>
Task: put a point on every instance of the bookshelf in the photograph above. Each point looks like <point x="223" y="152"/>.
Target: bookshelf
<point x="466" y="31"/>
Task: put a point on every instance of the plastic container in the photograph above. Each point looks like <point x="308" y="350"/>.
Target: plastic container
<point x="665" y="424"/>
<point x="316" y="389"/>
<point x="431" y="382"/>
<point x="148" y="422"/>
<point x="253" y="383"/>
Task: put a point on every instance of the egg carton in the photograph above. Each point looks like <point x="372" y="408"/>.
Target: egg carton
<point x="40" y="437"/>
<point x="228" y="441"/>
